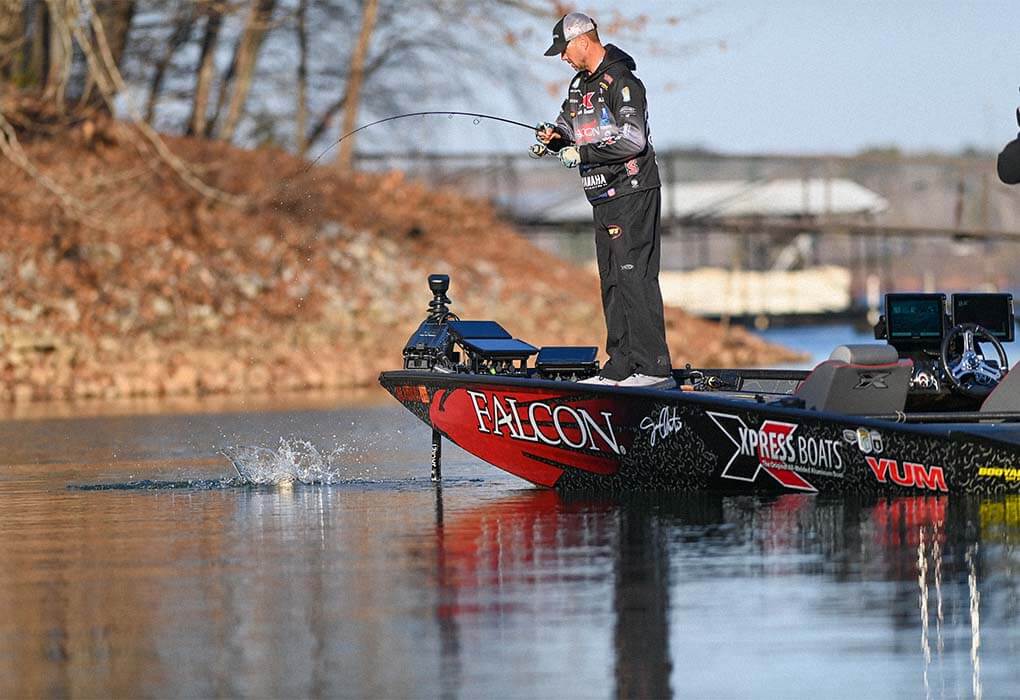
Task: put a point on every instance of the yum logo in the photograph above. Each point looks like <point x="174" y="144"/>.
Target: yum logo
<point x="537" y="421"/>
<point x="910" y="474"/>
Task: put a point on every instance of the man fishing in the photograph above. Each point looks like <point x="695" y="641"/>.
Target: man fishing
<point x="603" y="129"/>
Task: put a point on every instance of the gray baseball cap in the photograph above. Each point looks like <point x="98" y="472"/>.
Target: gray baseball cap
<point x="569" y="27"/>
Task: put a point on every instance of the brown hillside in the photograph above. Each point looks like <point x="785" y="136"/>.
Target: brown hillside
<point x="315" y="282"/>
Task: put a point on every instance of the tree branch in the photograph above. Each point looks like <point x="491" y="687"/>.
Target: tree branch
<point x="110" y="81"/>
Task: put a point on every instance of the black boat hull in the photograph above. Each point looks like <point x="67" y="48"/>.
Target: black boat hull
<point x="572" y="436"/>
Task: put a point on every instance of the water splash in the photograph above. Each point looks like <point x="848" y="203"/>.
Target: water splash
<point x="296" y="460"/>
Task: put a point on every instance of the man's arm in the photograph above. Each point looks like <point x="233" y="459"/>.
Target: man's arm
<point x="627" y="102"/>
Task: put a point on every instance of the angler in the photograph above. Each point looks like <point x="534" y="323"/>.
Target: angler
<point x="603" y="128"/>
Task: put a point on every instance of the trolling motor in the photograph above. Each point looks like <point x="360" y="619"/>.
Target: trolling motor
<point x="439" y="285"/>
<point x="431" y="346"/>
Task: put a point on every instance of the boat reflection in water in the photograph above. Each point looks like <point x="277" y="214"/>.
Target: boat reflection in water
<point x="740" y="596"/>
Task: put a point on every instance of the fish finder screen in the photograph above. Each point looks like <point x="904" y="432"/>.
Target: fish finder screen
<point x="994" y="312"/>
<point x="917" y="317"/>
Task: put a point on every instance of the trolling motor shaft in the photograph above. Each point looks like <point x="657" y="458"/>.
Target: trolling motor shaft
<point x="437" y="456"/>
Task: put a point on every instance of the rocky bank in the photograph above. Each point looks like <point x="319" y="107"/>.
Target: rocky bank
<point x="313" y="282"/>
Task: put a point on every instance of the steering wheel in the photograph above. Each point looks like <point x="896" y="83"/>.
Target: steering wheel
<point x="969" y="373"/>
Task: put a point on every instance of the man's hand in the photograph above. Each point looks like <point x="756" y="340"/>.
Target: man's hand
<point x="570" y="156"/>
<point x="546" y="132"/>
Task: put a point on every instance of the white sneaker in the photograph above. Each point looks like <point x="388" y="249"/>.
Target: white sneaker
<point x="648" y="382"/>
<point x="599" y="380"/>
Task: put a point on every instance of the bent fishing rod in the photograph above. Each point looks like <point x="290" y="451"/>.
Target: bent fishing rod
<point x="537" y="150"/>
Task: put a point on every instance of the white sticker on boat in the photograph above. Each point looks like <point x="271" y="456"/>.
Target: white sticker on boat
<point x="867" y="441"/>
<point x="774" y="448"/>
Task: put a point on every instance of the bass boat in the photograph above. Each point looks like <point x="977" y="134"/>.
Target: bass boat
<point x="931" y="408"/>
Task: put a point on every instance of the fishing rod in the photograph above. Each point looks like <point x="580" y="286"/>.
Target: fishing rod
<point x="535" y="152"/>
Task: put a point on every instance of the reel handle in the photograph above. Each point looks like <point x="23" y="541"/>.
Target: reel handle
<point x="537" y="150"/>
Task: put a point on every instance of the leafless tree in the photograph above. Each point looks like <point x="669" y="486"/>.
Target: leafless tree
<point x="355" y="79"/>
<point x="245" y="55"/>
<point x="295" y="72"/>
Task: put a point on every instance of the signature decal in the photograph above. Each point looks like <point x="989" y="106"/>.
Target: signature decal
<point x="662" y="426"/>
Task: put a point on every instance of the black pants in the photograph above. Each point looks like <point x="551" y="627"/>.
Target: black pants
<point x="628" y="250"/>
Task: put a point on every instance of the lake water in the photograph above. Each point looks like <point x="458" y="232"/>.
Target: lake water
<point x="135" y="563"/>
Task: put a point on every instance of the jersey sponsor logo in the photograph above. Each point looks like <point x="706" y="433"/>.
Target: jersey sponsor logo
<point x="632" y="167"/>
<point x="608" y="78"/>
<point x="907" y="474"/>
<point x="625" y="92"/>
<point x="586" y="100"/>
<point x="614" y="231"/>
<point x="591" y="182"/>
<point x="587" y="133"/>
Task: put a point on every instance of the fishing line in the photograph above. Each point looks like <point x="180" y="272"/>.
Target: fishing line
<point x="476" y="115"/>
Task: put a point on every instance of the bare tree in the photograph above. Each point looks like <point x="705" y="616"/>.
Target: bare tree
<point x="183" y="26"/>
<point x="62" y="15"/>
<point x="198" y="124"/>
<point x="355" y="79"/>
<point x="36" y="56"/>
<point x="12" y="31"/>
<point x="256" y="25"/>
<point x="115" y="18"/>
<point x="301" y="111"/>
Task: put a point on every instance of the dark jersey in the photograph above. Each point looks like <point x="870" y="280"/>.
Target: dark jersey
<point x="1009" y="163"/>
<point x="606" y="116"/>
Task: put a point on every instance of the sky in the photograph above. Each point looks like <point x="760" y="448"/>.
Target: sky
<point x="806" y="76"/>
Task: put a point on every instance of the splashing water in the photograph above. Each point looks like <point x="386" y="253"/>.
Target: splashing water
<point x="295" y="460"/>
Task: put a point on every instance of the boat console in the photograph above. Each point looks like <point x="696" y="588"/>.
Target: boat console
<point x="955" y="345"/>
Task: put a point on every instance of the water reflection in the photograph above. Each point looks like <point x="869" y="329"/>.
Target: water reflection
<point x="396" y="589"/>
<point x="539" y="550"/>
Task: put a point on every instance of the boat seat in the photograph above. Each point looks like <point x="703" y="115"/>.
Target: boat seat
<point x="858" y="380"/>
<point x="1006" y="396"/>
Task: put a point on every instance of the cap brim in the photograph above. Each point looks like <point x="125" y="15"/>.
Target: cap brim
<point x="556" y="49"/>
